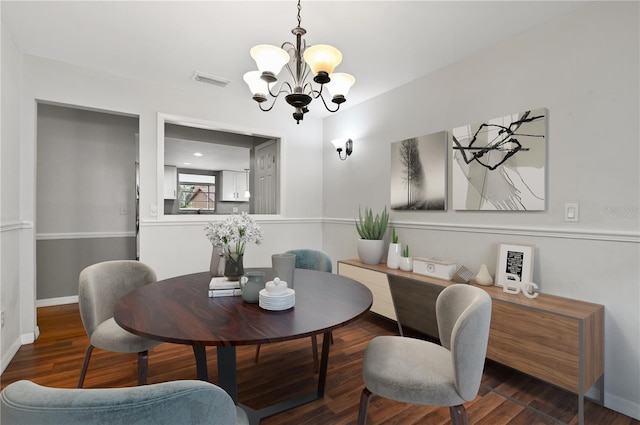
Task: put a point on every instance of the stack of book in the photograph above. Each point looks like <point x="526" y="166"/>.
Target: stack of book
<point x="223" y="287"/>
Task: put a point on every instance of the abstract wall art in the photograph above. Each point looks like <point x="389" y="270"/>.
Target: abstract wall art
<point x="419" y="173"/>
<point x="500" y="164"/>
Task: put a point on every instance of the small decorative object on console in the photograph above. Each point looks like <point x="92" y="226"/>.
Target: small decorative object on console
<point x="434" y="267"/>
<point x="483" y="277"/>
<point x="405" y="262"/>
<point x="463" y="275"/>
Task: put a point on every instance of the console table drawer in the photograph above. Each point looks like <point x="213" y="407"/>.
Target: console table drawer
<point x="536" y="343"/>
<point x="377" y="284"/>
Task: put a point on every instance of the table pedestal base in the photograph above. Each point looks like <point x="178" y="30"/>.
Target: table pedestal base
<point x="227" y="380"/>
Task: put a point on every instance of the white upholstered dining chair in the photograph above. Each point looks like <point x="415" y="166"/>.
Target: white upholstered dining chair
<point x="421" y="372"/>
<point x="100" y="286"/>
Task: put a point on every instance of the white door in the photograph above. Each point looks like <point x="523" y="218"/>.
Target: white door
<point x="266" y="196"/>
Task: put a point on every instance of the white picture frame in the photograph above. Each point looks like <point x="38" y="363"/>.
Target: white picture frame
<point x="515" y="264"/>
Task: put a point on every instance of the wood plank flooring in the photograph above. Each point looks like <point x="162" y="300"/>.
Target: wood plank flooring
<point x="505" y="397"/>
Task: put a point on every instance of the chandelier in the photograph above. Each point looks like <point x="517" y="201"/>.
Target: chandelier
<point x="319" y="60"/>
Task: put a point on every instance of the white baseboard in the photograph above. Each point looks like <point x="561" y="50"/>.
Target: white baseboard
<point x="48" y="302"/>
<point x="622" y="405"/>
<point x="10" y="353"/>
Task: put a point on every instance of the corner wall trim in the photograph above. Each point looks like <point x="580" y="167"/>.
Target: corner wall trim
<point x="15" y="225"/>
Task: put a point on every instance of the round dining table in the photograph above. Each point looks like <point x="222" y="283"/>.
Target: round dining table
<point x="179" y="310"/>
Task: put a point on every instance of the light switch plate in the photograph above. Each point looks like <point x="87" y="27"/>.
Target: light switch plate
<point x="571" y="212"/>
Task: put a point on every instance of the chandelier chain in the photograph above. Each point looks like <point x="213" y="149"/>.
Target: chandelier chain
<point x="299" y="9"/>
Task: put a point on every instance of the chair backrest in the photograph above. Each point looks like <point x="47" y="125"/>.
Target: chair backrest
<point x="101" y="285"/>
<point x="312" y="259"/>
<point x="183" y="402"/>
<point x="464" y="316"/>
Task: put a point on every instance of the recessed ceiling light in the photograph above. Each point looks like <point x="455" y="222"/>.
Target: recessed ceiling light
<point x="187" y="163"/>
<point x="197" y="154"/>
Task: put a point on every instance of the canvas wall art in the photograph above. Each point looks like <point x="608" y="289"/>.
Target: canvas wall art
<point x="500" y="164"/>
<point x="419" y="173"/>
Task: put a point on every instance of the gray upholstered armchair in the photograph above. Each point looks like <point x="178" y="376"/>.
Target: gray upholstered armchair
<point x="310" y="259"/>
<point x="420" y="372"/>
<point x="170" y="403"/>
<point x="99" y="288"/>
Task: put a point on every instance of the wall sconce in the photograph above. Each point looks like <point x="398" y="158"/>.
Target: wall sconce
<point x="340" y="144"/>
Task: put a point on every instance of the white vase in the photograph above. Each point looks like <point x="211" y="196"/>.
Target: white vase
<point x="406" y="264"/>
<point x="216" y="267"/>
<point x="393" y="256"/>
<point x="370" y="250"/>
<point x="483" y="277"/>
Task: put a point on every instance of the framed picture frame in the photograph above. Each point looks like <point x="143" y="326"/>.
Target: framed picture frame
<point x="515" y="264"/>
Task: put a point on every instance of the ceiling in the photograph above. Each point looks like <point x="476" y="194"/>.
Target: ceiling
<point x="385" y="44"/>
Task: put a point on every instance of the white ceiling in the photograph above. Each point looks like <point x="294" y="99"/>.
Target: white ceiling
<point x="181" y="153"/>
<point x="385" y="44"/>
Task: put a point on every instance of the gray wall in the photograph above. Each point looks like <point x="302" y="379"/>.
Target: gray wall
<point x="59" y="261"/>
<point x="85" y="194"/>
<point x="584" y="69"/>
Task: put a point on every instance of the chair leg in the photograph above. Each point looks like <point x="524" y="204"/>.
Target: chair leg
<point x="85" y="365"/>
<point x="257" y="352"/>
<point x="459" y="415"/>
<point x="314" y="350"/>
<point x="364" y="405"/>
<point x="143" y="362"/>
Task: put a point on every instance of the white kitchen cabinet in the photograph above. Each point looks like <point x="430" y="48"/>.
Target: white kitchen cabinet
<point x="234" y="186"/>
<point x="170" y="182"/>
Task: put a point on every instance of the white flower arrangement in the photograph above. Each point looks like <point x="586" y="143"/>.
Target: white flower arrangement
<point x="234" y="232"/>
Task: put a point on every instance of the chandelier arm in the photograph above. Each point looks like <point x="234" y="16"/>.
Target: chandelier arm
<point x="319" y="95"/>
<point x="285" y="83"/>
<point x="275" y="97"/>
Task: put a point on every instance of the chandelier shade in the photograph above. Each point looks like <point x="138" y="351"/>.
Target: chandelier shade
<point x="340" y="84"/>
<point x="259" y="87"/>
<point x="322" y="58"/>
<point x="302" y="62"/>
<point x="270" y="59"/>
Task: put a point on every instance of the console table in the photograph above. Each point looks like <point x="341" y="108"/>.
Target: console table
<point x="558" y="340"/>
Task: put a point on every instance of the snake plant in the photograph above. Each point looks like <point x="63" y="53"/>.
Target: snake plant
<point x="370" y="227"/>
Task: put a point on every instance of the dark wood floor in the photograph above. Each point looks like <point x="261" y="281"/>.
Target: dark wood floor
<point x="505" y="397"/>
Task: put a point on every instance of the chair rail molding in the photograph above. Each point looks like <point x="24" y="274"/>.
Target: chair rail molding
<point x="15" y="225"/>
<point x="83" y="235"/>
<point x="535" y="231"/>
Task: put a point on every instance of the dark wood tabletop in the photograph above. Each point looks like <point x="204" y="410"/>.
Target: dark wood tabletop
<point x="178" y="310"/>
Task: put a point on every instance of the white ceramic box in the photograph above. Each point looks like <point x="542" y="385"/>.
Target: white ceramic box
<point x="434" y="267"/>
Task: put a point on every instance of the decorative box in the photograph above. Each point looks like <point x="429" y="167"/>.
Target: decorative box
<point x="434" y="267"/>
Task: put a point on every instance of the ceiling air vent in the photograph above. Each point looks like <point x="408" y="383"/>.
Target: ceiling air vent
<point x="209" y="79"/>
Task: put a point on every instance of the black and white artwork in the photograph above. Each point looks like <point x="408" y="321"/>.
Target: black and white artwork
<point x="500" y="164"/>
<point x="419" y="173"/>
<point x="515" y="265"/>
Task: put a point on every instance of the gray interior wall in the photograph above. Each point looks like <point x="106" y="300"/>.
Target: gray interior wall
<point x="584" y="69"/>
<point x="59" y="261"/>
<point x="85" y="194"/>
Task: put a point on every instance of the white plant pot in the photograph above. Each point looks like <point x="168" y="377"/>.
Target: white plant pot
<point x="370" y="250"/>
<point x="406" y="264"/>
<point x="393" y="256"/>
